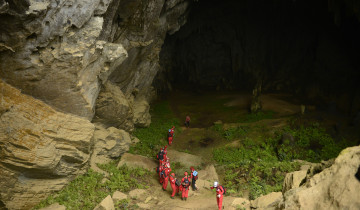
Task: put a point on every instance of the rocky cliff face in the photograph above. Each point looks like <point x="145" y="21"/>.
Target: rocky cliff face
<point x="73" y="59"/>
<point x="40" y="149"/>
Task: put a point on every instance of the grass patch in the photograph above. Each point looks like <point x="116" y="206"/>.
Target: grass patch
<point x="155" y="136"/>
<point x="310" y="143"/>
<point x="254" y="117"/>
<point x="88" y="190"/>
<point x="253" y="167"/>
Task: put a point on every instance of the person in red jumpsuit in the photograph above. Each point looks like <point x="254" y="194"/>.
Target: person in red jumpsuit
<point x="161" y="168"/>
<point x="174" y="187"/>
<point x="187" y="121"/>
<point x="166" y="175"/>
<point x="185" y="182"/>
<point x="219" y="194"/>
<point x="170" y="137"/>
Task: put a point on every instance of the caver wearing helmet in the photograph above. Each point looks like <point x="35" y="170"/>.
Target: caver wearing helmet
<point x="219" y="193"/>
<point x="185" y="183"/>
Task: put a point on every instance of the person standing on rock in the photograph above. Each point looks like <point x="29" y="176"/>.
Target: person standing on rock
<point x="174" y="185"/>
<point x="219" y="193"/>
<point x="187" y="121"/>
<point x="185" y="183"/>
<point x="166" y="175"/>
<point x="194" y="177"/>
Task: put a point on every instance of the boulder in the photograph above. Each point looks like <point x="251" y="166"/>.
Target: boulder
<point x="187" y="160"/>
<point x="108" y="144"/>
<point x="132" y="160"/>
<point x="142" y="117"/>
<point x="41" y="149"/>
<point x="335" y="187"/>
<point x="137" y="194"/>
<point x="293" y="180"/>
<point x="118" y="196"/>
<point x="270" y="200"/>
<point x="106" y="204"/>
<point x="113" y="108"/>
<point x="241" y="203"/>
<point x="55" y="206"/>
<point x="209" y="173"/>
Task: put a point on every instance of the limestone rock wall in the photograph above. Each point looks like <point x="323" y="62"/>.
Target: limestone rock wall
<point x="41" y="149"/>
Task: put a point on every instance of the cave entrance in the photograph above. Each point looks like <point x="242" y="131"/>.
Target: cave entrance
<point x="298" y="49"/>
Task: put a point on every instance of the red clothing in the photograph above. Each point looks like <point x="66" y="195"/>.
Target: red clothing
<point x="187" y="119"/>
<point x="170" y="139"/>
<point x="166" y="177"/>
<point x="185" y="187"/>
<point x="219" y="196"/>
<point x="161" y="168"/>
<point x="174" y="187"/>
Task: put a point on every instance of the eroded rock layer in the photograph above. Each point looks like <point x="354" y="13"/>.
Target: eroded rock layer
<point x="41" y="149"/>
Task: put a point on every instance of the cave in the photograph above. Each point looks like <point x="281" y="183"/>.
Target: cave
<point x="304" y="48"/>
<point x="88" y="88"/>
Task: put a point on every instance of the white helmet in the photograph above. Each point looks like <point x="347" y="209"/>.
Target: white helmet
<point x="216" y="184"/>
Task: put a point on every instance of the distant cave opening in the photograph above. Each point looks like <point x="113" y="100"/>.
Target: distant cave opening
<point x="298" y="47"/>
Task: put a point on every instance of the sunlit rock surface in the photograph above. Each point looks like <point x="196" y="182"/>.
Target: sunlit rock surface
<point x="41" y="149"/>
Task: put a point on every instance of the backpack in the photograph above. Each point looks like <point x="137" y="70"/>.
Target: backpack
<point x="186" y="182"/>
<point x="160" y="156"/>
<point x="195" y="175"/>
<point x="224" y="189"/>
<point x="177" y="182"/>
<point x="162" y="173"/>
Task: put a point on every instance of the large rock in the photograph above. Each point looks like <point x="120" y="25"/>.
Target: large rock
<point x="113" y="108"/>
<point x="59" y="58"/>
<point x="142" y="117"/>
<point x="106" y="204"/>
<point x="293" y="180"/>
<point x="41" y="149"/>
<point x="268" y="201"/>
<point x="109" y="143"/>
<point x="118" y="196"/>
<point x="335" y="187"/>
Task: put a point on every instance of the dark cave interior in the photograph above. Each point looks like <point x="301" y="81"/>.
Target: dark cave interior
<point x="305" y="48"/>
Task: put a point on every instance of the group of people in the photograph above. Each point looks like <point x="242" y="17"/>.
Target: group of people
<point x="165" y="175"/>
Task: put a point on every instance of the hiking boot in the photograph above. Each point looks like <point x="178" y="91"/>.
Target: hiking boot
<point x="182" y="198"/>
<point x="185" y="199"/>
<point x="163" y="189"/>
<point x="171" y="197"/>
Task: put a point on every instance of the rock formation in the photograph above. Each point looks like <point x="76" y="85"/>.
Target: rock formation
<point x="41" y="150"/>
<point x="79" y="57"/>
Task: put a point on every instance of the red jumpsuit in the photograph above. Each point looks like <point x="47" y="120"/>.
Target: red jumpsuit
<point x="166" y="177"/>
<point x="174" y="187"/>
<point x="219" y="196"/>
<point x="161" y="168"/>
<point x="185" y="188"/>
<point x="170" y="139"/>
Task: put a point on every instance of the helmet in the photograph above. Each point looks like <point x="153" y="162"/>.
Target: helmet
<point x="168" y="165"/>
<point x="185" y="173"/>
<point x="216" y="184"/>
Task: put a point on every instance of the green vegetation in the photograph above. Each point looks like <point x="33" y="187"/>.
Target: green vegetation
<point x="310" y="143"/>
<point x="155" y="136"/>
<point x="253" y="167"/>
<point x="254" y="117"/>
<point x="88" y="190"/>
<point x="259" y="165"/>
